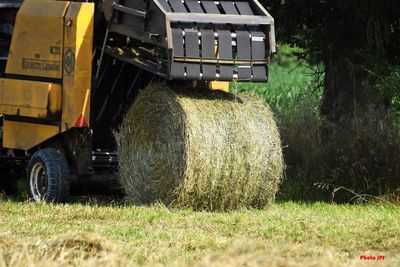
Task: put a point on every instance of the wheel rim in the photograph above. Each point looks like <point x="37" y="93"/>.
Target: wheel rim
<point x="38" y="181"/>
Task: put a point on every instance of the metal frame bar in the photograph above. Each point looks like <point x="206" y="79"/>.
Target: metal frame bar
<point x="129" y="10"/>
<point x="220" y="61"/>
<point x="218" y="18"/>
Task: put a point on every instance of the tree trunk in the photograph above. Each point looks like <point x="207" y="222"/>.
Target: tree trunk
<point x="344" y="90"/>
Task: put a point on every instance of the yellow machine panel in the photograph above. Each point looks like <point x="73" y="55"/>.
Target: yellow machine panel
<point x="30" y="98"/>
<point x="15" y="134"/>
<point x="37" y="43"/>
<point x="77" y="65"/>
<point x="218" y="85"/>
<point x="51" y="39"/>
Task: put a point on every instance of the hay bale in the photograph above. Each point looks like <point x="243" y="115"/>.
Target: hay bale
<point x="199" y="148"/>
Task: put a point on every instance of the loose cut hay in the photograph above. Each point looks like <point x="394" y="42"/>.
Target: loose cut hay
<point x="200" y="148"/>
<point x="78" y="245"/>
<point x="71" y="249"/>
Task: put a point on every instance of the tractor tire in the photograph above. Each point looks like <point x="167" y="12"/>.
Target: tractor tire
<point x="48" y="176"/>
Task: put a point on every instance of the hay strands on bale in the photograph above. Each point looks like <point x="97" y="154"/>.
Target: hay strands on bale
<point x="203" y="149"/>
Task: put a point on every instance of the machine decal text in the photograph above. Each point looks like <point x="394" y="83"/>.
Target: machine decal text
<point x="40" y="64"/>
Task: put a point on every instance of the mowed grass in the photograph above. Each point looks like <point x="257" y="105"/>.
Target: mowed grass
<point x="285" y="234"/>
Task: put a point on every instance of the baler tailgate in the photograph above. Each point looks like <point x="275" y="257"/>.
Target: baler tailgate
<point x="203" y="40"/>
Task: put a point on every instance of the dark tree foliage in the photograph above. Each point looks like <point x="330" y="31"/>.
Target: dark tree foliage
<point x="357" y="41"/>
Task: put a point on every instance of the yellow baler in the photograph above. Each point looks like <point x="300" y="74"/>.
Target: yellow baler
<point x="57" y="113"/>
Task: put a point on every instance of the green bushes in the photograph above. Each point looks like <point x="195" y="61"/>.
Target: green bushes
<point x="352" y="161"/>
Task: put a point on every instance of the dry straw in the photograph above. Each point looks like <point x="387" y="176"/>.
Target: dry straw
<point x="70" y="249"/>
<point x="199" y="148"/>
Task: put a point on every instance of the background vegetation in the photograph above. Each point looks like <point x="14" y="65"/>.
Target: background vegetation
<point x="357" y="43"/>
<point x="353" y="160"/>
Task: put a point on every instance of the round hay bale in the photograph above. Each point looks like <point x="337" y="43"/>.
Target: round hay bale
<point x="199" y="148"/>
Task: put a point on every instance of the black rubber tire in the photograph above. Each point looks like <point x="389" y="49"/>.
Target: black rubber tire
<point x="48" y="167"/>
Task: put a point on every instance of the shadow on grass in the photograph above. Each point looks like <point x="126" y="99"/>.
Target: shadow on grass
<point x="105" y="192"/>
<point x="97" y="190"/>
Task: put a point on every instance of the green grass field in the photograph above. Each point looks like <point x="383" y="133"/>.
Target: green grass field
<point x="284" y="234"/>
<point x="289" y="80"/>
<point x="284" y="86"/>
